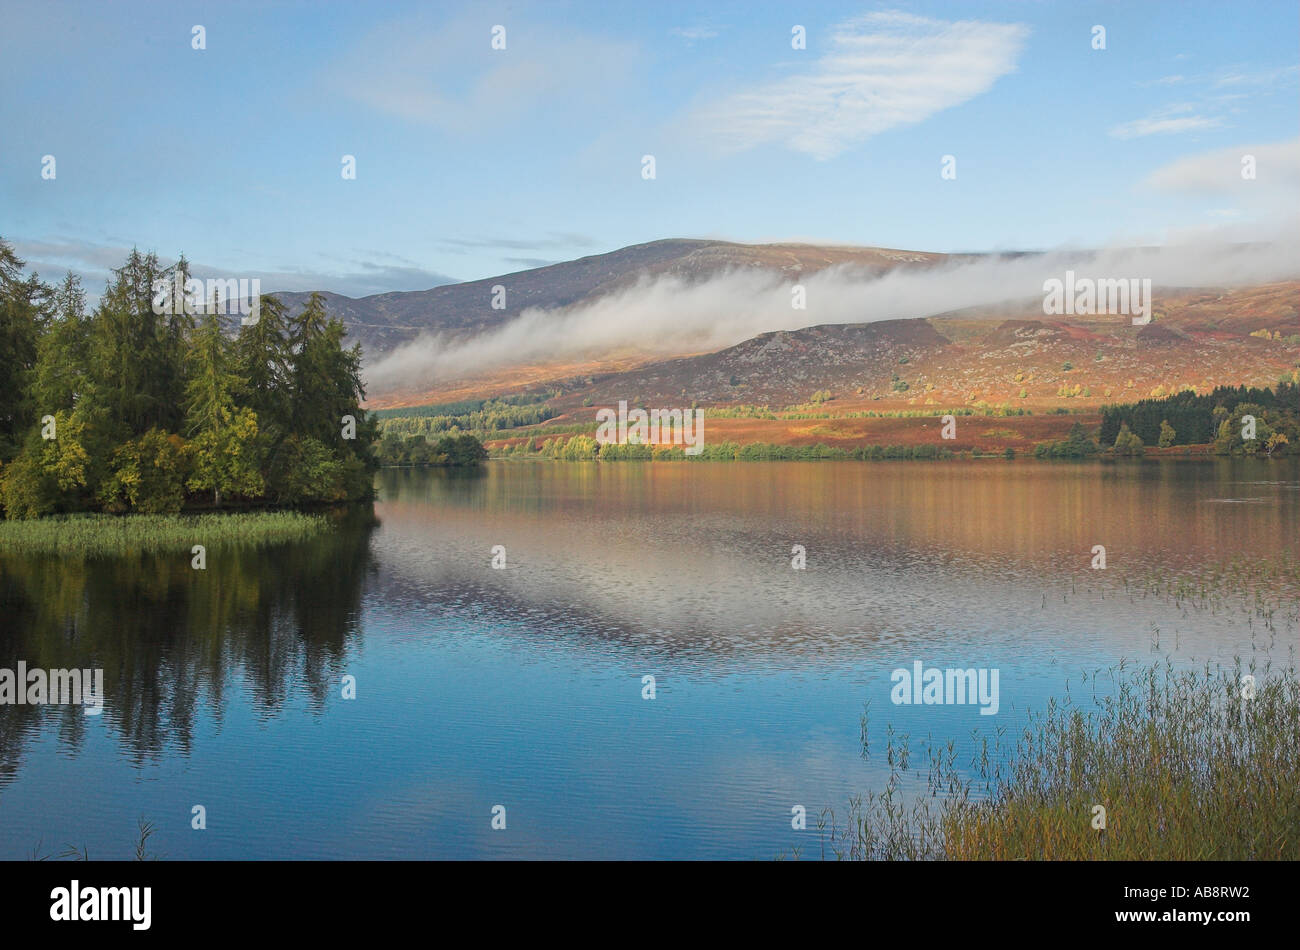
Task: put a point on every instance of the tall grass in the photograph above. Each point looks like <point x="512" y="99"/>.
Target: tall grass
<point x="74" y="853"/>
<point x="1184" y="766"/>
<point x="1264" y="588"/>
<point x="98" y="535"/>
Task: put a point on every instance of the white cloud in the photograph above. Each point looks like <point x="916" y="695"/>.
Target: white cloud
<point x="1158" y="125"/>
<point x="1276" y="182"/>
<point x="882" y="71"/>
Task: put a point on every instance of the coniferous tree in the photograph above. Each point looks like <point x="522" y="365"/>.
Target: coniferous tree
<point x="127" y="353"/>
<point x="211" y="384"/>
<point x="174" y="330"/>
<point x="262" y="361"/>
<point x="20" y="324"/>
<point x="225" y="450"/>
<point x="61" y="376"/>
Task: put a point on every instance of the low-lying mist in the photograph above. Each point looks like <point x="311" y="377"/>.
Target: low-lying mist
<point x="669" y="316"/>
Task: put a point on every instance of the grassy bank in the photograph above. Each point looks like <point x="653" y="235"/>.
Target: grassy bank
<point x="109" y="535"/>
<point x="1185" y="768"/>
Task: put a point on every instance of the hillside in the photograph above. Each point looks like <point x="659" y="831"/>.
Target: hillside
<point x="1007" y="355"/>
<point x="383" y="321"/>
<point x="1201" y="338"/>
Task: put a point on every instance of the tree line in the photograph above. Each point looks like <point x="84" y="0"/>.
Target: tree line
<point x="458" y="450"/>
<point x="585" y="448"/>
<point x="488" y="415"/>
<point x="123" y="408"/>
<point x="1198" y="419"/>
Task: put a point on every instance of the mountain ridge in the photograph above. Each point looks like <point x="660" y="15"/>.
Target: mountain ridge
<point x="382" y="322"/>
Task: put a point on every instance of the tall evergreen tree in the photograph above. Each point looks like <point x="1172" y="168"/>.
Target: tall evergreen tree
<point x="211" y="385"/>
<point x="127" y="353"/>
<point x="225" y="449"/>
<point x="62" y="376"/>
<point x="262" y="361"/>
<point x="308" y="381"/>
<point x="21" y="301"/>
<point x="174" y="328"/>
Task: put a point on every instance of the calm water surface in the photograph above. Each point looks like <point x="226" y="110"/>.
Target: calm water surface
<point x="523" y="686"/>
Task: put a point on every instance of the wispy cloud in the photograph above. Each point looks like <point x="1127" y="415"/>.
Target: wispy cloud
<point x="530" y="262"/>
<point x="1164" y="81"/>
<point x="882" y="71"/>
<point x="1276" y="181"/>
<point x="1211" y="103"/>
<point x="1162" y="123"/>
<point x="446" y="74"/>
<point x="553" y="240"/>
<point x="1230" y="76"/>
<point x="693" y="33"/>
<point x="1257" y="77"/>
<point x="354" y="277"/>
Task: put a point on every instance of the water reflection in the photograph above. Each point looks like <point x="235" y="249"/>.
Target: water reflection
<point x="170" y="638"/>
<point x="694" y="559"/>
<point x="523" y="685"/>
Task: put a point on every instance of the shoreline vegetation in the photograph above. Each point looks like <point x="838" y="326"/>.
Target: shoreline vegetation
<point x="1229" y="421"/>
<point x="1140" y="765"/>
<point x="102" y="535"/>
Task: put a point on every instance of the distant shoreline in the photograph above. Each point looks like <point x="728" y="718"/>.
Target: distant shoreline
<point x="1205" y="455"/>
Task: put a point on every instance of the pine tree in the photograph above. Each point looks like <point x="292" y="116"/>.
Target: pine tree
<point x="225" y="450"/>
<point x="211" y="384"/>
<point x="325" y="387"/>
<point x="61" y="376"/>
<point x="262" y="361"/>
<point x="174" y="329"/>
<point x="127" y="354"/>
<point x="20" y="324"/>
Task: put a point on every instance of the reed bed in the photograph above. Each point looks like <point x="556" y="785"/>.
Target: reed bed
<point x="1264" y="590"/>
<point x="1185" y="766"/>
<point x="1267" y="589"/>
<point x="98" y="535"/>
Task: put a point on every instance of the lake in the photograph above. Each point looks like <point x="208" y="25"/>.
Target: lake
<point x="523" y="685"/>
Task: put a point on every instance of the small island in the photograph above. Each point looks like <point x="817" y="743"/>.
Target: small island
<point x="195" y="424"/>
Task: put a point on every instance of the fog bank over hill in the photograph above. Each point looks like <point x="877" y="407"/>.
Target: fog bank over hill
<point x="668" y="313"/>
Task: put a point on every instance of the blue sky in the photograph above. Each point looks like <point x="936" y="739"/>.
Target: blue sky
<point x="473" y="162"/>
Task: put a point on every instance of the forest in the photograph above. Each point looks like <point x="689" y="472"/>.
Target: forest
<point x="123" y="408"/>
<point x="469" y="415"/>
<point x="455" y="450"/>
<point x="1190" y="418"/>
